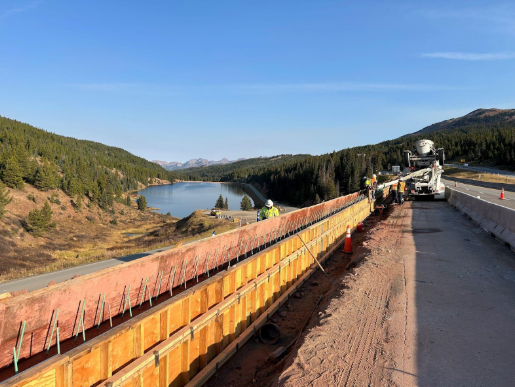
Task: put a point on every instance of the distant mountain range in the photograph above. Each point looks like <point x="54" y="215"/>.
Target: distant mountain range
<point x="193" y="163"/>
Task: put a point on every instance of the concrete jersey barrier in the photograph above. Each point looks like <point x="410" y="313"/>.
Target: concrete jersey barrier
<point x="496" y="220"/>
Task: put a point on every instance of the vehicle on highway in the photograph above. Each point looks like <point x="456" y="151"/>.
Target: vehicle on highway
<point x="423" y="168"/>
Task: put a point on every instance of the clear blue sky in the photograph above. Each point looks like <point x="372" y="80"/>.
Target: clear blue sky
<point x="175" y="80"/>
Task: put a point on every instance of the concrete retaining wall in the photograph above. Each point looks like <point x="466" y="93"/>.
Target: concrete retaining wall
<point x="39" y="307"/>
<point x="496" y="220"/>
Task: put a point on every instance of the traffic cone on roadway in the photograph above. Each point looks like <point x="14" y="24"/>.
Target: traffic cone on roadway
<point x="502" y="194"/>
<point x="347" y="248"/>
<point x="455" y="183"/>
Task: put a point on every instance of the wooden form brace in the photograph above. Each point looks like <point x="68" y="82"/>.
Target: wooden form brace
<point x="184" y="338"/>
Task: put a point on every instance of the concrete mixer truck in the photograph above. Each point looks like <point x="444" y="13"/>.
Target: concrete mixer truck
<point x="423" y="169"/>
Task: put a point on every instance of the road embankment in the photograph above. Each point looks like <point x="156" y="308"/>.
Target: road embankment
<point x="496" y="220"/>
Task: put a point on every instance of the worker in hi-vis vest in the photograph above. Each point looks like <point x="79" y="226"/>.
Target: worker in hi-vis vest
<point x="268" y="211"/>
<point x="394" y="191"/>
<point x="400" y="193"/>
<point x="373" y="185"/>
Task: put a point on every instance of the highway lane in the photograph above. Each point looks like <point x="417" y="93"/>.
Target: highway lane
<point x="488" y="194"/>
<point x="42" y="280"/>
<point x="483" y="170"/>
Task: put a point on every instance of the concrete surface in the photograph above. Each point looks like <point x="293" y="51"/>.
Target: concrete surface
<point x="495" y="219"/>
<point x="464" y="288"/>
<point x="488" y="194"/>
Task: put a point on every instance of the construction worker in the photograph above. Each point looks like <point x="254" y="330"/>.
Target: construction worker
<point x="268" y="211"/>
<point x="374" y="181"/>
<point x="373" y="185"/>
<point x="400" y="193"/>
<point x="394" y="190"/>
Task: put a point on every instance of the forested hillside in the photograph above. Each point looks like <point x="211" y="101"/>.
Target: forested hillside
<point x="485" y="135"/>
<point x="78" y="167"/>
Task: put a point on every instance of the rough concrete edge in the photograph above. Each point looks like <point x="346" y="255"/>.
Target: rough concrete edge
<point x="502" y="234"/>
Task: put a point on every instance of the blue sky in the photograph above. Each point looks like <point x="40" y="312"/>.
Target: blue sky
<point x="175" y="80"/>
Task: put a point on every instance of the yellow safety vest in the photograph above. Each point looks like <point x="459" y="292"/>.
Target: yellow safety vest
<point x="394" y="186"/>
<point x="267" y="213"/>
<point x="403" y="185"/>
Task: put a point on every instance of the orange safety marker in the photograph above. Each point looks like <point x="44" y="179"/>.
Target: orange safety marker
<point x="455" y="183"/>
<point x="502" y="194"/>
<point x="347" y="248"/>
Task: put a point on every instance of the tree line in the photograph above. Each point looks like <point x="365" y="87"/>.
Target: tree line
<point x="78" y="167"/>
<point x="303" y="180"/>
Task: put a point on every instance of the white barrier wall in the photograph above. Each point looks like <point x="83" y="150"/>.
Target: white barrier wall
<point x="496" y="220"/>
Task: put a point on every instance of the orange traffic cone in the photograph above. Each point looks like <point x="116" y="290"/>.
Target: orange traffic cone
<point x="455" y="183"/>
<point x="502" y="194"/>
<point x="347" y="248"/>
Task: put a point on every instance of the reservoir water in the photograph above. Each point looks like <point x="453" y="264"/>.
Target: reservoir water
<point x="181" y="199"/>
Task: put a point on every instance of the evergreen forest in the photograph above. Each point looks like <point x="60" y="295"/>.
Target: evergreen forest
<point x="484" y="135"/>
<point x="78" y="167"/>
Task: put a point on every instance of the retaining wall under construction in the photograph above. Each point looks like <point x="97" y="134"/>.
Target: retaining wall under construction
<point x="178" y="340"/>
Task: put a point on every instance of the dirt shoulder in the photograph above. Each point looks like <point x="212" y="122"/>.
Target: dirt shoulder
<point x="431" y="304"/>
<point x="353" y="341"/>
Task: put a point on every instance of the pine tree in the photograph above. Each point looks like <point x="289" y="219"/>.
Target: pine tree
<point x="128" y="201"/>
<point x="226" y="204"/>
<point x="142" y="203"/>
<point x="220" y="202"/>
<point x="12" y="175"/>
<point x="39" y="221"/>
<point x="246" y="204"/>
<point x="5" y="199"/>
<point x="47" y="176"/>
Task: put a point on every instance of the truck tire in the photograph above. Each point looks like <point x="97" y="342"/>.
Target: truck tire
<point x="441" y="157"/>
<point x="406" y="159"/>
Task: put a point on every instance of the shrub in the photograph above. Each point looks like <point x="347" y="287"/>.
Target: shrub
<point x="5" y="199"/>
<point x="142" y="203"/>
<point x="114" y="222"/>
<point x="54" y="199"/>
<point x="31" y="198"/>
<point x="39" y="221"/>
<point x="246" y="204"/>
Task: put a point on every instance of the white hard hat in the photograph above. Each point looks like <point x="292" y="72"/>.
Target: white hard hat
<point x="269" y="203"/>
<point x="374" y="175"/>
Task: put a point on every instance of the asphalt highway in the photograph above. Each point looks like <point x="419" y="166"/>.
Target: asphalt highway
<point x="488" y="194"/>
<point x="42" y="280"/>
<point x="483" y="169"/>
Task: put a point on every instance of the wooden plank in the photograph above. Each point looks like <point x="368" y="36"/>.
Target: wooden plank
<point x="106" y="360"/>
<point x="176" y="319"/>
<point x="175" y="367"/>
<point x="151" y="331"/>
<point x="122" y="350"/>
<point x="138" y="336"/>
<point x="45" y="380"/>
<point x="86" y="370"/>
<point x="164" y="372"/>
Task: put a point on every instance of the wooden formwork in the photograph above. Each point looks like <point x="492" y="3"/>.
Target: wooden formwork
<point x="183" y="340"/>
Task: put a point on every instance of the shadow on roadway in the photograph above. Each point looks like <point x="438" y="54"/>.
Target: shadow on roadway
<point x="464" y="301"/>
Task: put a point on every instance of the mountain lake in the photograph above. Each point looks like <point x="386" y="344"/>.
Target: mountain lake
<point x="181" y="199"/>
